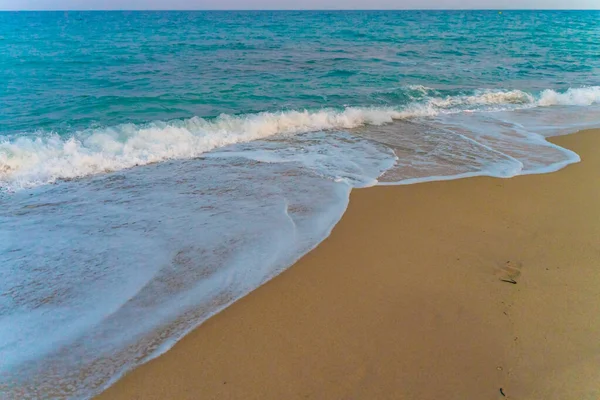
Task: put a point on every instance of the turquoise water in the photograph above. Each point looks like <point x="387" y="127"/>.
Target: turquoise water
<point x="76" y="70"/>
<point x="156" y="166"/>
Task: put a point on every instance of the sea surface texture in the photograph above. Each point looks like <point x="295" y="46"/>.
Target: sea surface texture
<point x="157" y="166"/>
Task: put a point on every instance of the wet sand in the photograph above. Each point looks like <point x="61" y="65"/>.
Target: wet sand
<point x="412" y="297"/>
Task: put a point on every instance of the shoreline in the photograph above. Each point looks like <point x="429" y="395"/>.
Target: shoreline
<point x="407" y="298"/>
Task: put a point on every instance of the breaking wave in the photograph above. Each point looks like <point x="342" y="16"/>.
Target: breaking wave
<point x="32" y="159"/>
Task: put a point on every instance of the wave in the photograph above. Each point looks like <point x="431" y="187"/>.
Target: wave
<point x="584" y="96"/>
<point x="574" y="96"/>
<point x="32" y="159"/>
<point x="27" y="161"/>
<point x="486" y="98"/>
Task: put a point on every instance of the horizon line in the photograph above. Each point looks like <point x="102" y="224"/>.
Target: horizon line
<point x="300" y="9"/>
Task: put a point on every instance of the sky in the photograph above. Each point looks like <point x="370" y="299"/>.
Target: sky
<point x="287" y="4"/>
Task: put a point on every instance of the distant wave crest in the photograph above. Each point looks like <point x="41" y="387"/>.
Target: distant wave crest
<point x="575" y="96"/>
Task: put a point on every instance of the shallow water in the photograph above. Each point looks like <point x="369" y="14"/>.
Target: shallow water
<point x="155" y="167"/>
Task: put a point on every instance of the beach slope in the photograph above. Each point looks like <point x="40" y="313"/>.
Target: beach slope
<point x="442" y="290"/>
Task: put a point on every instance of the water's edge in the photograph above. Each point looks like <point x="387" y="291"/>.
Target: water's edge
<point x="167" y="346"/>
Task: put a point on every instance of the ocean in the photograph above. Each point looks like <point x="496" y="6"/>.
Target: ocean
<point x="157" y="166"/>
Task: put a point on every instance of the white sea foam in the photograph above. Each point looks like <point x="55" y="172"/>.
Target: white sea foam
<point x="136" y="259"/>
<point x="171" y="244"/>
<point x="486" y="97"/>
<point x="34" y="159"/>
<point x="583" y="96"/>
<point x="31" y="160"/>
<point x="575" y="96"/>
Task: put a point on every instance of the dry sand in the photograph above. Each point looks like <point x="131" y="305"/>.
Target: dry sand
<point x="405" y="301"/>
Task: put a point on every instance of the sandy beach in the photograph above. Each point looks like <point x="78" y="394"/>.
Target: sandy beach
<point x="477" y="288"/>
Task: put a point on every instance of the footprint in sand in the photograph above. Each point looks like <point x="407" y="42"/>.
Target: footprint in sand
<point x="509" y="271"/>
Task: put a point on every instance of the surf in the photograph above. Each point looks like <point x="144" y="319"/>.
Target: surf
<point x="32" y="159"/>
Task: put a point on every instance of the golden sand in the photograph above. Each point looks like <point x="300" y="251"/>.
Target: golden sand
<point x="412" y="297"/>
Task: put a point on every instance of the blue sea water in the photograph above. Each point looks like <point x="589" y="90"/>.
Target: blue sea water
<point x="157" y="166"/>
